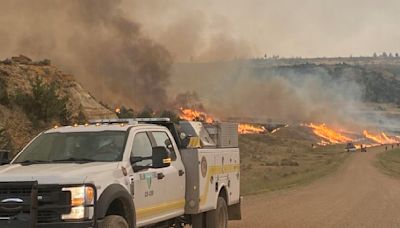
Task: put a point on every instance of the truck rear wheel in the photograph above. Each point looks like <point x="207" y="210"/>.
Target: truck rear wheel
<point x="218" y="218"/>
<point x="114" y="221"/>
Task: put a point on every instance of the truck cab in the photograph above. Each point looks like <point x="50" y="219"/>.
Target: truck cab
<point x="117" y="173"/>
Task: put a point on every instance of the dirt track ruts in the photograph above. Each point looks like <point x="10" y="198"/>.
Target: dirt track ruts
<point x="357" y="195"/>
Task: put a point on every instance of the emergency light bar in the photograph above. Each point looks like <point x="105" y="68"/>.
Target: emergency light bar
<point x="113" y="121"/>
<point x="150" y="120"/>
<point x="129" y="121"/>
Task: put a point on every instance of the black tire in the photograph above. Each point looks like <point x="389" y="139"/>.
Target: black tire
<point x="218" y="218"/>
<point x="114" y="221"/>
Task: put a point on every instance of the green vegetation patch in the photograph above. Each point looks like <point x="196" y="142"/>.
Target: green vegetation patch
<point x="43" y="104"/>
<point x="271" y="163"/>
<point x="4" y="99"/>
<point x="389" y="162"/>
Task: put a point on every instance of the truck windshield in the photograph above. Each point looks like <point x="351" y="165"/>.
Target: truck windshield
<point x="104" y="146"/>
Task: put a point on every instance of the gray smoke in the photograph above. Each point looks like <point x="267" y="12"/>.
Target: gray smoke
<point x="195" y="30"/>
<point x="236" y="90"/>
<point x="93" y="39"/>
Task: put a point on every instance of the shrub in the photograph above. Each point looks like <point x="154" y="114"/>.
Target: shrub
<point x="81" y="118"/>
<point x="126" y="113"/>
<point x="44" y="103"/>
<point x="289" y="162"/>
<point x="146" y="113"/>
<point x="4" y="99"/>
<point x="5" y="141"/>
<point x="170" y="114"/>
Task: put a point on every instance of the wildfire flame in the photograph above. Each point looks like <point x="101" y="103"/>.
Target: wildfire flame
<point x="250" y="129"/>
<point x="329" y="135"/>
<point x="381" y="137"/>
<point x="191" y="115"/>
<point x="195" y="115"/>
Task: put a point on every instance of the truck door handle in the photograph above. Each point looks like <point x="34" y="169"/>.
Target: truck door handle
<point x="181" y="172"/>
<point x="160" y="176"/>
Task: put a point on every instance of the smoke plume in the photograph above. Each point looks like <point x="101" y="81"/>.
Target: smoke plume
<point x="236" y="89"/>
<point x="96" y="41"/>
<point x="197" y="31"/>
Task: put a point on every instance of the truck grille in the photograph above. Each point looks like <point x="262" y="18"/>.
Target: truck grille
<point x="51" y="201"/>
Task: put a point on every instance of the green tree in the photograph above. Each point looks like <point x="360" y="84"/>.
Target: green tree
<point x="44" y="103"/>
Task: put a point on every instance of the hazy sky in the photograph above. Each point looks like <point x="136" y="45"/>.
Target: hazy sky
<point x="220" y="29"/>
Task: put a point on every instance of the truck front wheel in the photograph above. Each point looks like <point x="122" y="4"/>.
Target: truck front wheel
<point x="114" y="221"/>
<point x="218" y="218"/>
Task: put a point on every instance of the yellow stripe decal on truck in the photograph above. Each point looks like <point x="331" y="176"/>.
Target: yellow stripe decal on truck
<point x="171" y="206"/>
<point x="159" y="209"/>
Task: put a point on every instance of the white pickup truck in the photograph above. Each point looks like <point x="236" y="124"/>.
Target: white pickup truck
<point x="124" y="173"/>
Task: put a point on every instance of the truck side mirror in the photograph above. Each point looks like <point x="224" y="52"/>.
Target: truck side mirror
<point x="5" y="157"/>
<point x="135" y="160"/>
<point x="161" y="157"/>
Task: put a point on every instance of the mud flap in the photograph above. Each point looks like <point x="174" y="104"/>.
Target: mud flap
<point x="198" y="221"/>
<point x="235" y="211"/>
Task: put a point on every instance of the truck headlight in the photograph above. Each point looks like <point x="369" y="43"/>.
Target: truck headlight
<point x="80" y="197"/>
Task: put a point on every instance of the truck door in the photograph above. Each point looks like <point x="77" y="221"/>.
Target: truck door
<point x="173" y="178"/>
<point x="157" y="192"/>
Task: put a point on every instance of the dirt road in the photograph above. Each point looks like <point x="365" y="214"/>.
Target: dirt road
<point x="357" y="195"/>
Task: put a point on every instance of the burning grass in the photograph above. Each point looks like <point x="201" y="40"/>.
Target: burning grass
<point x="250" y="129"/>
<point x="196" y="115"/>
<point x="192" y="114"/>
<point x="381" y="138"/>
<point x="328" y="135"/>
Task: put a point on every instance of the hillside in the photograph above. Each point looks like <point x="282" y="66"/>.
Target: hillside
<point x="378" y="80"/>
<point x="28" y="88"/>
<point x="380" y="83"/>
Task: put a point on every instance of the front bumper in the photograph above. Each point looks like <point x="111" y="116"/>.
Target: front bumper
<point x="26" y="214"/>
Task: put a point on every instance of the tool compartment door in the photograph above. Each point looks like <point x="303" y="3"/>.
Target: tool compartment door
<point x="218" y="168"/>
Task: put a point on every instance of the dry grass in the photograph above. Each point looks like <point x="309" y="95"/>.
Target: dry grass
<point x="272" y="162"/>
<point x="389" y="162"/>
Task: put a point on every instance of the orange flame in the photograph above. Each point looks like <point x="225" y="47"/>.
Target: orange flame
<point x="191" y="115"/>
<point x="329" y="135"/>
<point x="250" y="129"/>
<point x="381" y="138"/>
<point x="195" y="115"/>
